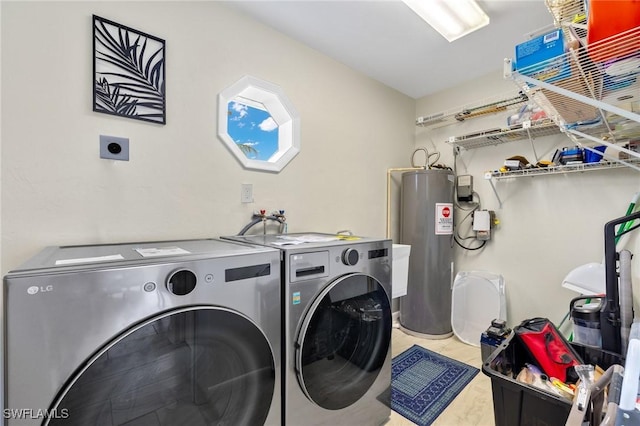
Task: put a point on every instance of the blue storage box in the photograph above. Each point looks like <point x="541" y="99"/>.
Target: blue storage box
<point x="592" y="157"/>
<point x="543" y="57"/>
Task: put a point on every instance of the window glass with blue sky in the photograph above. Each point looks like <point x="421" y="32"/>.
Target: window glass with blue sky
<point x="252" y="128"/>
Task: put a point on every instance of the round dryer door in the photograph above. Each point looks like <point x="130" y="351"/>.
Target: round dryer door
<point x="193" y="366"/>
<point x="344" y="341"/>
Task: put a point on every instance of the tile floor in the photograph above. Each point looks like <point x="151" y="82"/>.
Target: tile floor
<point x="474" y="405"/>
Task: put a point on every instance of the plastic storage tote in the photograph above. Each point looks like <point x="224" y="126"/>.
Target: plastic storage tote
<point x="516" y="403"/>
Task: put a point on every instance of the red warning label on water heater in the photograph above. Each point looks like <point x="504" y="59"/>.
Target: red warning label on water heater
<point x="444" y="218"/>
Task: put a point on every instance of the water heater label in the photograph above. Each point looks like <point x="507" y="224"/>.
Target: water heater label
<point x="444" y="218"/>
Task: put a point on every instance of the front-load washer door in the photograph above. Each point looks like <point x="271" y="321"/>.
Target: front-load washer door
<point x="343" y="341"/>
<point x="193" y="366"/>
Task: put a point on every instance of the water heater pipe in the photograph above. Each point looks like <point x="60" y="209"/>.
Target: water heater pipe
<point x="389" y="172"/>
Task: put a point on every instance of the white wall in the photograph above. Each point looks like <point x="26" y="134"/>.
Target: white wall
<point x="548" y="224"/>
<point x="181" y="181"/>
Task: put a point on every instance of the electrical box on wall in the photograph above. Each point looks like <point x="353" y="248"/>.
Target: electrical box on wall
<point x="464" y="187"/>
<point x="483" y="221"/>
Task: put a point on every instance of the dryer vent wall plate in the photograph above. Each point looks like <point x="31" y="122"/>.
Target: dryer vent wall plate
<point x="114" y="148"/>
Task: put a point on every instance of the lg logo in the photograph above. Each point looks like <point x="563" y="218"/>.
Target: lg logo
<point x="34" y="289"/>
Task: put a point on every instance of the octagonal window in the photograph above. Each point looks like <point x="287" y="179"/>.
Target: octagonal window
<point x="258" y="124"/>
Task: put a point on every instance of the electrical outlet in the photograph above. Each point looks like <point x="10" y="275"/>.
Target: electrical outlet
<point x="114" y="148"/>
<point x="246" y="193"/>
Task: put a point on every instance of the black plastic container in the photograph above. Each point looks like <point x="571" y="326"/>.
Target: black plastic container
<point x="516" y="403"/>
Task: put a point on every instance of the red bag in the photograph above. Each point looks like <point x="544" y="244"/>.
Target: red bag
<point x="551" y="351"/>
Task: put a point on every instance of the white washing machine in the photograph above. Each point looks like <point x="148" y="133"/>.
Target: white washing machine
<point x="337" y="327"/>
<point x="160" y="333"/>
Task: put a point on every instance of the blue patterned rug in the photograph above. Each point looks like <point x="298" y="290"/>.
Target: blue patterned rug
<point x="423" y="383"/>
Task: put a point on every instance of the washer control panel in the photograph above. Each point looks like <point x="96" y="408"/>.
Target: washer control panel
<point x="307" y="266"/>
<point x="350" y="257"/>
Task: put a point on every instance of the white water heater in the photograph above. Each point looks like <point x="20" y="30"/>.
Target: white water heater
<point x="427" y="226"/>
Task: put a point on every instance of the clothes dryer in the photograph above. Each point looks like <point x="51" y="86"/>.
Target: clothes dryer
<point x="337" y="327"/>
<point x="159" y="333"/>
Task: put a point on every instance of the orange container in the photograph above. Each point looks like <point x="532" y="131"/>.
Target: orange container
<point x="613" y="30"/>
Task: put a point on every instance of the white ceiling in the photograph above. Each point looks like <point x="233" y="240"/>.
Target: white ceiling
<point x="385" y="40"/>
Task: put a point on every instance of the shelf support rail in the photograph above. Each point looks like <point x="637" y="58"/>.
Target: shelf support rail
<point x="526" y="126"/>
<point x="488" y="176"/>
<point x="578" y="63"/>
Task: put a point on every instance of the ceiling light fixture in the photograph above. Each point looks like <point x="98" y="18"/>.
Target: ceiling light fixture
<point x="451" y="18"/>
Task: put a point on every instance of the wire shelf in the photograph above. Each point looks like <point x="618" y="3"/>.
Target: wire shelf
<point x="568" y="168"/>
<point x="591" y="92"/>
<point x="566" y="12"/>
<point x="516" y="132"/>
<point x="482" y="108"/>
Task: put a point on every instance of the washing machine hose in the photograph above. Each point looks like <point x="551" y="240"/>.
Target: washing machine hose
<point x="258" y="219"/>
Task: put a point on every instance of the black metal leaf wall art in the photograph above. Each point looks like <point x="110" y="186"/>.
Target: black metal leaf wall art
<point x="129" y="72"/>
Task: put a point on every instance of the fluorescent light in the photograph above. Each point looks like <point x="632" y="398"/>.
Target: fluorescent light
<point x="451" y="18"/>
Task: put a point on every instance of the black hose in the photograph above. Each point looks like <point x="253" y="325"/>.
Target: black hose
<point x="470" y="248"/>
